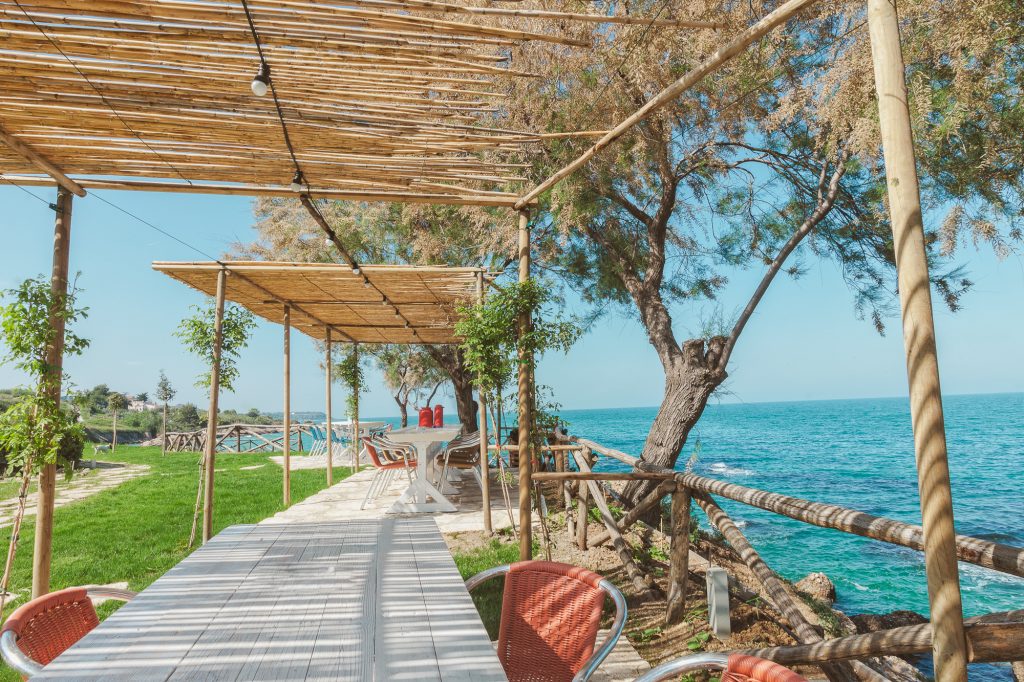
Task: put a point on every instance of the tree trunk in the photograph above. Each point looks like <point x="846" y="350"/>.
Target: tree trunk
<point x="691" y="376"/>
<point x="113" y="443"/>
<point x="163" y="441"/>
<point x="451" y="361"/>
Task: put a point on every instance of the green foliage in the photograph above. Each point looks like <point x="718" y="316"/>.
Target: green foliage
<point x="35" y="431"/>
<point x="164" y="391"/>
<point x="697" y="642"/>
<point x="185" y="418"/>
<point x="26" y="330"/>
<point x="117" y="402"/>
<point x="197" y="333"/>
<point x="350" y="371"/>
<point x="493" y="343"/>
<point x="645" y="635"/>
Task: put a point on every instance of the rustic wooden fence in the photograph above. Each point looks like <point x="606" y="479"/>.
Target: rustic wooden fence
<point x="241" y="438"/>
<point x="996" y="637"/>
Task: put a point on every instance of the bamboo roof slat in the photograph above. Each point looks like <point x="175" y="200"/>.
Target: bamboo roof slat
<point x="381" y="100"/>
<point x="322" y="296"/>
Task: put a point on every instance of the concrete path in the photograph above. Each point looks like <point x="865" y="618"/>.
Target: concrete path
<point x="342" y="501"/>
<point x="86" y="482"/>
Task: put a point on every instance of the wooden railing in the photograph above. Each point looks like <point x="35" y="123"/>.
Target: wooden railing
<point x="991" y="638"/>
<point x="241" y="438"/>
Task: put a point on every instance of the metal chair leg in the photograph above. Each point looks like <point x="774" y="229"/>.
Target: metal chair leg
<point x="369" y="489"/>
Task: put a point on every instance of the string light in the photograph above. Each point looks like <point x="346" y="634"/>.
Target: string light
<point x="298" y="180"/>
<point x="355" y="270"/>
<point x="261" y="82"/>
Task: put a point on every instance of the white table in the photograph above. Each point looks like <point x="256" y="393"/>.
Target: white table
<point x="351" y="600"/>
<point x="416" y="497"/>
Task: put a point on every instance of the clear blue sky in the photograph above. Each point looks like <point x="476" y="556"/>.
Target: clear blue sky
<point x="804" y="343"/>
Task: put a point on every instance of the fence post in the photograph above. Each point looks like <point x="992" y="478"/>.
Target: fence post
<point x="581" y="510"/>
<point x="679" y="561"/>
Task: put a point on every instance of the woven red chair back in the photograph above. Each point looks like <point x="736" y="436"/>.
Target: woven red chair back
<point x="550" y="613"/>
<point x="371" y="450"/>
<point x="751" y="669"/>
<point x="50" y="624"/>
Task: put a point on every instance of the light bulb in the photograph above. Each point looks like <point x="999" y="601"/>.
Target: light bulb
<point x="262" y="80"/>
<point x="355" y="269"/>
<point x="366" y="283"/>
<point x="297" y="181"/>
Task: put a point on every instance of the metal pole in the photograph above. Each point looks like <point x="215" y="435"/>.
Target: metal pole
<point x="286" y="440"/>
<point x="211" y="419"/>
<point x="485" y="481"/>
<point x="356" y="443"/>
<point x="330" y="425"/>
<point x="43" y="553"/>
<point x="525" y="413"/>
<point x="948" y="640"/>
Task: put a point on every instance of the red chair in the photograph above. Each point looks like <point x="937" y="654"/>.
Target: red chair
<point x="736" y="667"/>
<point x="39" y="631"/>
<point x="550" y="614"/>
<point x="387" y="458"/>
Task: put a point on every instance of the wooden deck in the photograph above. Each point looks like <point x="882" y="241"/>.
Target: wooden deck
<point x="355" y="600"/>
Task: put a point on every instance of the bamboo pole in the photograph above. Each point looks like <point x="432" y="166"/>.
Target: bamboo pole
<point x="485" y="469"/>
<point x="211" y="419"/>
<point x="330" y="425"/>
<point x="995" y="637"/>
<point x="640" y="582"/>
<point x="679" y="569"/>
<point x="775" y="589"/>
<point x="525" y="411"/>
<point x="949" y="642"/>
<point x="633" y="515"/>
<point x="286" y="438"/>
<point x="43" y="553"/>
<point x="42" y="163"/>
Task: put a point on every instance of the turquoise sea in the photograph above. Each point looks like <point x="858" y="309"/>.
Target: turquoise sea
<point x="859" y="454"/>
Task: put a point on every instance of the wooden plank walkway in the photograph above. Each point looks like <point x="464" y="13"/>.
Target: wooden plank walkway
<point x="355" y="600"/>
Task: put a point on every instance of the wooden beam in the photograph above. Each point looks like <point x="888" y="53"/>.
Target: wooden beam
<point x="330" y="424"/>
<point x="211" y="418"/>
<point x="774" y="587"/>
<point x="582" y="511"/>
<point x="997" y="637"/>
<point x="287" y="436"/>
<point x="409" y="197"/>
<point x="913" y="283"/>
<point x="525" y="405"/>
<point x="43" y="553"/>
<point x="41" y="162"/>
<point x="633" y="515"/>
<point x="696" y="75"/>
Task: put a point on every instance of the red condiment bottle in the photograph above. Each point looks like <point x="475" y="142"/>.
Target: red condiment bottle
<point x="438" y="416"/>
<point x="426" y="417"/>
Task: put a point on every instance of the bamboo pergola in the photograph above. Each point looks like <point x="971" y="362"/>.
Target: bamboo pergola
<point x="384" y="100"/>
<point x="393" y="304"/>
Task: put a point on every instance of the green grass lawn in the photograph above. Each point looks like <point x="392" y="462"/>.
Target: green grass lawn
<point x="138" y="530"/>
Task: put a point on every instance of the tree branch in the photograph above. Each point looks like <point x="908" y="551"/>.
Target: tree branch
<point x="825" y="204"/>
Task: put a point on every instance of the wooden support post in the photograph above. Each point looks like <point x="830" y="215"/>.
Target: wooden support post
<point x="649" y="502"/>
<point x="357" y="444"/>
<point x="949" y="641"/>
<point x="485" y="469"/>
<point x="679" y="561"/>
<point x="287" y="437"/>
<point x="525" y="405"/>
<point x="330" y="425"/>
<point x="582" y="512"/>
<point x="211" y="418"/>
<point x="55" y="360"/>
